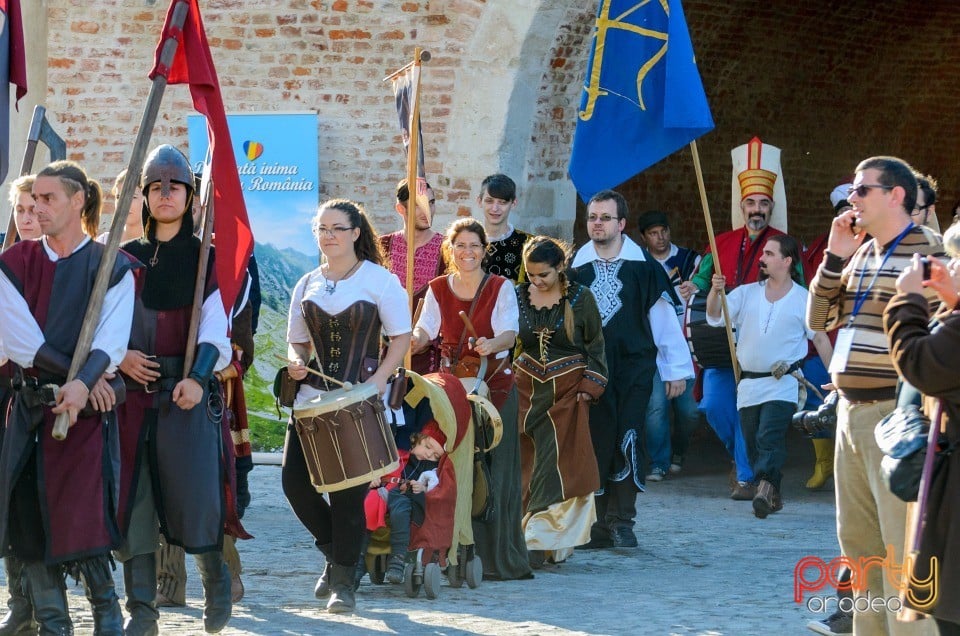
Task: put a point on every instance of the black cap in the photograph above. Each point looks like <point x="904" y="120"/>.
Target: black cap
<point x="651" y="219"/>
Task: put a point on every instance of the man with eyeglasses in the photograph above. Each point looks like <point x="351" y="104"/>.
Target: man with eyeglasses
<point x="638" y="310"/>
<point x="853" y="284"/>
<point x="428" y="261"/>
<point x="759" y="212"/>
<point x="498" y="197"/>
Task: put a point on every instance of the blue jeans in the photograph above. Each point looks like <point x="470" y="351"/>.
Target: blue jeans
<point x="719" y="404"/>
<point x="686" y="418"/>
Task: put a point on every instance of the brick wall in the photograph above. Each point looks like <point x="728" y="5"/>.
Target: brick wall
<point x="828" y="82"/>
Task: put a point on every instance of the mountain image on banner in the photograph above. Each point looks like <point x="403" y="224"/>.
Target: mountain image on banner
<point x="642" y="97"/>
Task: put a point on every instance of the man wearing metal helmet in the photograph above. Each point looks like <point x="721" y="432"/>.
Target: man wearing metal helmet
<point x="173" y="470"/>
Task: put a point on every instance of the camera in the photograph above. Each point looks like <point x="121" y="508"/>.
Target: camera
<point x="925" y="263"/>
<point x="824" y="418"/>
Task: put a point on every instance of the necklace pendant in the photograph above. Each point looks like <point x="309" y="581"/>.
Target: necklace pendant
<point x="329" y="287"/>
<point x="153" y="261"/>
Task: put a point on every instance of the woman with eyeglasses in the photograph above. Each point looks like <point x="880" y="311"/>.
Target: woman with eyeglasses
<point x="341" y="308"/>
<point x="490" y="303"/>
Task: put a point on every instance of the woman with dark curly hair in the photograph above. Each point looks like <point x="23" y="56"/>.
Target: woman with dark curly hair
<point x="561" y="370"/>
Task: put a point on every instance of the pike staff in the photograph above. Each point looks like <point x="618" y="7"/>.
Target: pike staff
<point x="139" y="153"/>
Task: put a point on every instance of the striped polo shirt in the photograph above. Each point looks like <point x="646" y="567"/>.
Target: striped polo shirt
<point x="869" y="374"/>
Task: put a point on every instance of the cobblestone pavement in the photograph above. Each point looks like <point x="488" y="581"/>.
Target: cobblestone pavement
<point x="706" y="565"/>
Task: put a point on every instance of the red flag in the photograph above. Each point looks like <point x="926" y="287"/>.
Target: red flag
<point x="13" y="70"/>
<point x="193" y="65"/>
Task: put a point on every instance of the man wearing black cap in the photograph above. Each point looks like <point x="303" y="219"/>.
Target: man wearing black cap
<point x="680" y="263"/>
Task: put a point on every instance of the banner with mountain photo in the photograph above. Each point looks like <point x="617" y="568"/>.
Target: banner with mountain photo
<point x="280" y="183"/>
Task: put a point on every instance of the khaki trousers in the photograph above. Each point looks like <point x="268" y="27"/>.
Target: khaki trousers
<point x="869" y="517"/>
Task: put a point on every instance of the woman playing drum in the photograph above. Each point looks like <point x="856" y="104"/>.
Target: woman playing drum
<point x="339" y="312"/>
<point x="561" y="370"/>
<point x="490" y="303"/>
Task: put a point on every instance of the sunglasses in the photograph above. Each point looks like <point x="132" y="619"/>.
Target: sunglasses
<point x="862" y="189"/>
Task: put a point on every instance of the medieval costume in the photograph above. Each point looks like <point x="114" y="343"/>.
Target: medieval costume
<point x="176" y="473"/>
<point x="343" y="321"/>
<point x="641" y="335"/>
<point x="57" y="497"/>
<point x="756" y="171"/>
<point x="493" y="311"/>
<point x="558" y="464"/>
<point x="428" y="263"/>
<point x="505" y="255"/>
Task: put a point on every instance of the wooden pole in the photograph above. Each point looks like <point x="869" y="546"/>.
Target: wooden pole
<point x="206" y="202"/>
<point x="413" y="153"/>
<point x="716" y="258"/>
<point x="95" y="305"/>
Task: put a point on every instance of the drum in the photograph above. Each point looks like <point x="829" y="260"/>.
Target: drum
<point x="707" y="344"/>
<point x="346" y="438"/>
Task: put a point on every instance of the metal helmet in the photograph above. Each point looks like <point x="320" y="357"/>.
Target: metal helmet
<point x="165" y="164"/>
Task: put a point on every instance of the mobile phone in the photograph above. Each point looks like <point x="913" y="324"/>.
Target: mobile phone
<point x="925" y="263"/>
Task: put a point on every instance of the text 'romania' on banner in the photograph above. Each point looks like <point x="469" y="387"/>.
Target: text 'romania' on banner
<point x="193" y="65"/>
<point x="642" y="97"/>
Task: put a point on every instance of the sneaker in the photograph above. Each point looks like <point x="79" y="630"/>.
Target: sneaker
<point x="676" y="464"/>
<point x="623" y="537"/>
<point x="743" y="491"/>
<point x="395" y="570"/>
<point x="839" y="622"/>
<point x="657" y="474"/>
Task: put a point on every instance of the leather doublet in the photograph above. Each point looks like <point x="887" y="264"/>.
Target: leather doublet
<point x="343" y="340"/>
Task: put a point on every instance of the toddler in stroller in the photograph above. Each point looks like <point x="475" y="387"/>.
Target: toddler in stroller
<point x="401" y="495"/>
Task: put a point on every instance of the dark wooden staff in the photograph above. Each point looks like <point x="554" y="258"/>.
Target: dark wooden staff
<point x="206" y="205"/>
<point x="95" y="305"/>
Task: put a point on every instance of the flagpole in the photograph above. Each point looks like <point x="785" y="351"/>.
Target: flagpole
<point x="413" y="152"/>
<point x="716" y="258"/>
<point x="137" y="156"/>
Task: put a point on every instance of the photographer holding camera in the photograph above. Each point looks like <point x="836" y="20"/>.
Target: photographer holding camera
<point x="926" y="358"/>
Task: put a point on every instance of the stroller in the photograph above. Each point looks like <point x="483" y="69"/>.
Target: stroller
<point x="445" y="539"/>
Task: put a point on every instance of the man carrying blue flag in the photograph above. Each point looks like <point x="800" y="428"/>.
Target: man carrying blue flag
<point x="643" y="99"/>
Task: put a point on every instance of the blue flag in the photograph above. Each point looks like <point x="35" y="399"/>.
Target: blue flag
<point x="642" y="97"/>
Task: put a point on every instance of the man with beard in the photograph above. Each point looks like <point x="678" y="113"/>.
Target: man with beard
<point x="428" y="261"/>
<point x="770" y="316"/>
<point x="641" y="336"/>
<point x="761" y="198"/>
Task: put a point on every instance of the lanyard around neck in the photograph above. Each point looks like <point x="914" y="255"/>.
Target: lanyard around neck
<point x="861" y="296"/>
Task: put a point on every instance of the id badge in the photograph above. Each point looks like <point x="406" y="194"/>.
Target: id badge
<point x="841" y="350"/>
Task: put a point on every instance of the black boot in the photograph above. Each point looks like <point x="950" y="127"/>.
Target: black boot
<point x="217" y="606"/>
<point x="361" y="568"/>
<point x="342" y="597"/>
<point x="47" y="592"/>
<point x="20" y="617"/>
<point x="322" y="588"/>
<point x="98" y="585"/>
<point x="140" y="581"/>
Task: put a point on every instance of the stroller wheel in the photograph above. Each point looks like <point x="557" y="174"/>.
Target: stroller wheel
<point x="474" y="572"/>
<point x="377" y="568"/>
<point x="431" y="580"/>
<point x="411" y="587"/>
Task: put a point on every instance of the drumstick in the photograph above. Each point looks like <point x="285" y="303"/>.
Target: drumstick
<point x="469" y="325"/>
<point x="346" y="385"/>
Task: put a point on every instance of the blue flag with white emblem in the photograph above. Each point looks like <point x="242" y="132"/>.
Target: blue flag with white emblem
<point x="642" y="97"/>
